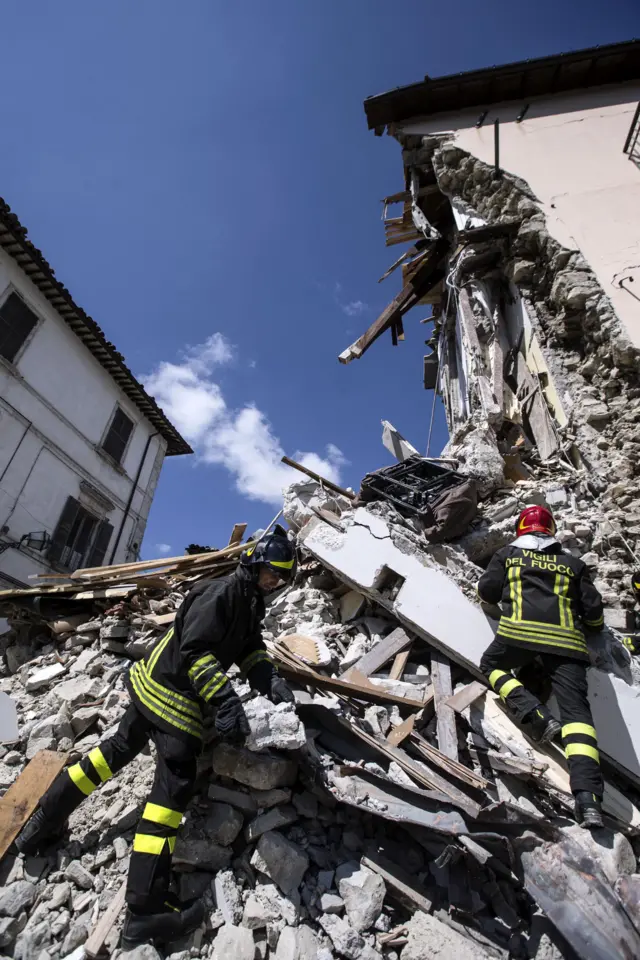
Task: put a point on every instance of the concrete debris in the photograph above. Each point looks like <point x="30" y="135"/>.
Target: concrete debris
<point x="363" y="893"/>
<point x="430" y="939"/>
<point x="236" y="942"/>
<point x="262" y="771"/>
<point x="281" y="860"/>
<point x="320" y="837"/>
<point x="273" y="726"/>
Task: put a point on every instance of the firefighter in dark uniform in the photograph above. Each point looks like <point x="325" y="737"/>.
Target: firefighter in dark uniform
<point x="548" y="604"/>
<point x="183" y="677"/>
<point x="632" y="640"/>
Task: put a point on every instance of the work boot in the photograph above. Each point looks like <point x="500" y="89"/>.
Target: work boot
<point x="588" y="809"/>
<point x="544" y="726"/>
<point x="38" y="832"/>
<point x="173" y="923"/>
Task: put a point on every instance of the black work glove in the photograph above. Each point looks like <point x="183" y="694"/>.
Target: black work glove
<point x="231" y="721"/>
<point x="281" y="692"/>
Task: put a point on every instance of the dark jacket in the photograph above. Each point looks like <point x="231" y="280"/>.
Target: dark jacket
<point x="218" y="624"/>
<point x="548" y="599"/>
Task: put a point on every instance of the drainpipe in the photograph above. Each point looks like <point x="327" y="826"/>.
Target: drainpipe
<point x="131" y="495"/>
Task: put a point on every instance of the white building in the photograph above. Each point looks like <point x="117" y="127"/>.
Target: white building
<point x="81" y="442"/>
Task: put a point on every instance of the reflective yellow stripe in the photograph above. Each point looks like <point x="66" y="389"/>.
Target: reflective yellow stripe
<point x="545" y="641"/>
<point x="201" y="665"/>
<point x="161" y="710"/>
<point x="163" y="815"/>
<point x="495" y="675"/>
<point x="81" y="780"/>
<point x="507" y="687"/>
<point x="557" y="589"/>
<point x="284" y="564"/>
<point x="540" y="626"/>
<point x="595" y="623"/>
<point x="172" y="842"/>
<point x="145" y="843"/>
<point x="581" y="750"/>
<point x="216" y="683"/>
<point x="173" y="700"/>
<point x="256" y="657"/>
<point x="153" y="659"/>
<point x="101" y="766"/>
<point x="585" y="728"/>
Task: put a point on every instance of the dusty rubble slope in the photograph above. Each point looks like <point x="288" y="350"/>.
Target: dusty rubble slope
<point x="336" y="832"/>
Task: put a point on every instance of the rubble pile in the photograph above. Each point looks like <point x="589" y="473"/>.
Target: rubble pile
<point x="368" y="821"/>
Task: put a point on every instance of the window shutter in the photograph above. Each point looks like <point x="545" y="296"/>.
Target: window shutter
<point x="16" y="323"/>
<point x="62" y="531"/>
<point x="118" y="435"/>
<point x="103" y="536"/>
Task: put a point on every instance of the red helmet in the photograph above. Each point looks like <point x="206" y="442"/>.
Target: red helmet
<point x="535" y="520"/>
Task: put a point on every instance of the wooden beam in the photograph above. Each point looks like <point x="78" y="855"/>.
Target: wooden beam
<point x="399" y="664"/>
<point x="461" y="700"/>
<point x="452" y="767"/>
<point x="441" y="676"/>
<point x="380" y="653"/>
<point x="316" y="476"/>
<point x="356" y="691"/>
<point x="237" y="534"/>
<point x="95" y="941"/>
<point x="22" y="797"/>
<point x="397" y="881"/>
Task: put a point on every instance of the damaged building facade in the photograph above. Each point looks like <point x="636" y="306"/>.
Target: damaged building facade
<point x="522" y="204"/>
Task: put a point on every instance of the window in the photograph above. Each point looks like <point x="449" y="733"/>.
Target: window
<point x="16" y="323"/>
<point x="118" y="435"/>
<point x="80" y="539"/>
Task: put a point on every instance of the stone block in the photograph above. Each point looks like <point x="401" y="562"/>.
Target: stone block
<point x="17" y="897"/>
<point x="363" y="893"/>
<point x="222" y="824"/>
<point x="273" y="819"/>
<point x="428" y="937"/>
<point x="79" y="875"/>
<point x="233" y="942"/>
<point x="297" y="943"/>
<point x="237" y="798"/>
<point x="263" y="771"/>
<point x="77" y="690"/>
<point x="197" y="852"/>
<point x="281" y="860"/>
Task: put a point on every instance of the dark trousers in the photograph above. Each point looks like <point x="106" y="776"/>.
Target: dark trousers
<point x="153" y="843"/>
<point x="569" y="684"/>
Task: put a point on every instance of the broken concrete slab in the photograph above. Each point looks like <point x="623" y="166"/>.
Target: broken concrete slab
<point x="611" y="850"/>
<point x="195" y="852"/>
<point x="351" y="604"/>
<point x="429" y="938"/>
<point x="281" y="860"/>
<point x="44" y="677"/>
<point x="363" y="893"/>
<point x="573" y="891"/>
<point x="432" y="605"/>
<point x="628" y="891"/>
<point x="263" y="771"/>
<point x="346" y="940"/>
<point x="77" y="690"/>
<point x="273" y="726"/>
<point x="8" y="719"/>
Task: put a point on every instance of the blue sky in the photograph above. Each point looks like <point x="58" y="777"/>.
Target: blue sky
<point x="201" y="173"/>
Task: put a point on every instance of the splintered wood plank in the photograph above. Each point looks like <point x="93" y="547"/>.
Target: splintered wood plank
<point x="237" y="534"/>
<point x="402" y="731"/>
<point x="21" y="799"/>
<point x="95" y="941"/>
<point x="461" y="700"/>
<point x="441" y="676"/>
<point x="380" y="654"/>
<point x="400" y="662"/>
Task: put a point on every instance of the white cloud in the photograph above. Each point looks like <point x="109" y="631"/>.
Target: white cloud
<point x="354" y="308"/>
<point x="163" y="549"/>
<point x="241" y="440"/>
